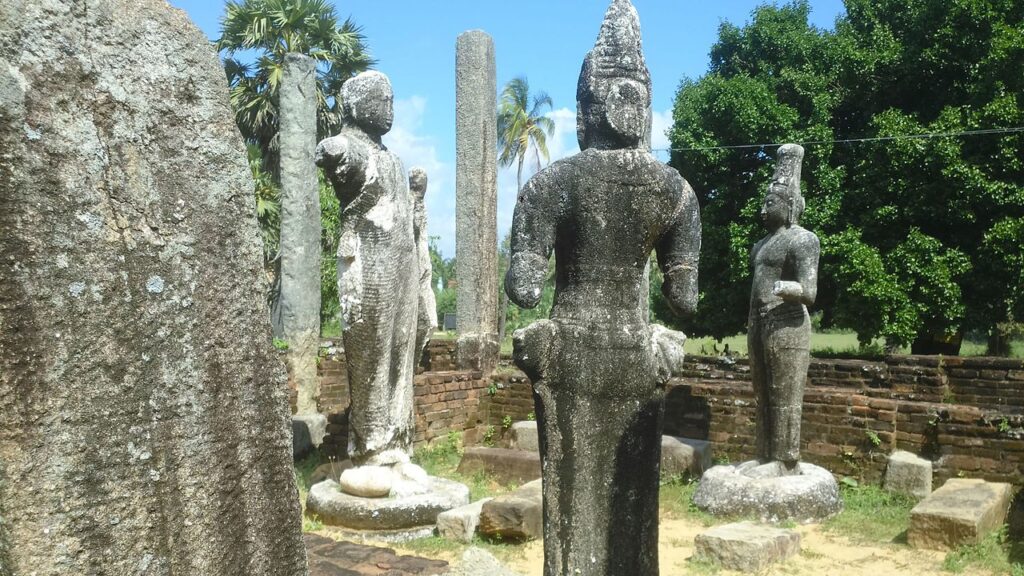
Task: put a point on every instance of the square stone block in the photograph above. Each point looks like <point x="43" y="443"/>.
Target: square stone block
<point x="515" y="516"/>
<point x="507" y="466"/>
<point x="460" y="523"/>
<point x="962" y="512"/>
<point x="684" y="455"/>
<point x="524" y="436"/>
<point x="746" y="546"/>
<point x="908" y="473"/>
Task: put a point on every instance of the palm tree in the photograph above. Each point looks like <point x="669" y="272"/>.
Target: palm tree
<point x="522" y="126"/>
<point x="273" y="28"/>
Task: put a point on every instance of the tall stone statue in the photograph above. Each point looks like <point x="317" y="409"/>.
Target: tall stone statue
<point x="777" y="486"/>
<point x="598" y="367"/>
<point x="785" y="268"/>
<point x="379" y="281"/>
<point x="427" y="309"/>
<point x="378" y="272"/>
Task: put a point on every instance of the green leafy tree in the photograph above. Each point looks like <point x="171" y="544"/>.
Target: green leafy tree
<point x="442" y="279"/>
<point x="916" y="233"/>
<point x="271" y="29"/>
<point x="522" y="126"/>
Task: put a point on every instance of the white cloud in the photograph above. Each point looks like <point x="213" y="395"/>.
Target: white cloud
<point x="415" y="149"/>
<point x="660" y="125"/>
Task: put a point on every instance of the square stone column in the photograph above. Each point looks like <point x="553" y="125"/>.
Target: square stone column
<point x="476" y="200"/>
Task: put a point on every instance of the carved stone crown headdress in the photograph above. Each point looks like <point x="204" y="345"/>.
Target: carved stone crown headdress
<point x="788" y="163"/>
<point x="613" y="96"/>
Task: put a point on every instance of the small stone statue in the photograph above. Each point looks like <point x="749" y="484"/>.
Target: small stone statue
<point x="598" y="367"/>
<point x="785" y="267"/>
<point x="427" y="318"/>
<point x="776" y="486"/>
<point x="378" y="273"/>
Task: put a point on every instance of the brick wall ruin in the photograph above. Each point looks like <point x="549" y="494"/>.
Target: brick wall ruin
<point x="965" y="414"/>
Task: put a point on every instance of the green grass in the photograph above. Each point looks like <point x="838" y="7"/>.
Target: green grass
<point x="676" y="499"/>
<point x="991" y="554"/>
<point x="442" y="459"/>
<point x="434" y="546"/>
<point x="872" y="514"/>
<point x="833" y="344"/>
<point x="303" y="471"/>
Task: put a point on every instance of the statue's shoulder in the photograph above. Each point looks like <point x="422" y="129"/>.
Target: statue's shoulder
<point x="802" y="237"/>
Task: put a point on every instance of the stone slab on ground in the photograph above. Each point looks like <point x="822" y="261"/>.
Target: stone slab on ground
<point x="507" y="466"/>
<point x="515" y="516"/>
<point x="336" y="508"/>
<point x="908" y="473"/>
<point x="460" y="523"/>
<point x="962" y="511"/>
<point x="337" y="558"/>
<point x="524" y="436"/>
<point x="684" y="456"/>
<point x="308" y="431"/>
<point x="479" y="562"/>
<point x="746" y="546"/>
<point x="765" y="491"/>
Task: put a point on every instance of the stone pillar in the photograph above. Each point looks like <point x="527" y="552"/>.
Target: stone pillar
<point x="143" y="410"/>
<point x="476" y="201"/>
<point x="300" y="229"/>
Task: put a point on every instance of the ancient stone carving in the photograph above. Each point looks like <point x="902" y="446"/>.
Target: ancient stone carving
<point x="597" y="366"/>
<point x="143" y="410"/>
<point x="777" y="486"/>
<point x="378" y="273"/>
<point x="785" y="269"/>
<point x="476" y="201"/>
<point x="427" y="319"/>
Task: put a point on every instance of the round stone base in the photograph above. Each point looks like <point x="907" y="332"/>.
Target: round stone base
<point x="767" y="492"/>
<point x="336" y="508"/>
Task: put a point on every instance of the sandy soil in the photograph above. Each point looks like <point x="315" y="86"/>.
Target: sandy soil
<point x="822" y="554"/>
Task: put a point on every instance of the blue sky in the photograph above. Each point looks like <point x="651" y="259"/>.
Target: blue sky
<point x="414" y="44"/>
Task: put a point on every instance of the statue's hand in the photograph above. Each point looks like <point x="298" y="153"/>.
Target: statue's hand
<point x="342" y="160"/>
<point x="788" y="290"/>
<point x="668" y="351"/>
<point x="532" y="346"/>
<point x="524" y="281"/>
<point x="681" y="295"/>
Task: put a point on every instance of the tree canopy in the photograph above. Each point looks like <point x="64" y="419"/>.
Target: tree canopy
<point x="921" y="237"/>
<point x="269" y="29"/>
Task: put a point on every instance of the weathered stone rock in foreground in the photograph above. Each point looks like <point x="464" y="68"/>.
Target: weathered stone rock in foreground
<point x="767" y="492"/>
<point x="476" y="201"/>
<point x="334" y="507"/>
<point x="461" y="523"/>
<point x="515" y="516"/>
<point x="507" y="466"/>
<point x="298" y="306"/>
<point x="684" y="456"/>
<point x="962" y="511"/>
<point x="524" y="436"/>
<point x="746" y="546"/>
<point x="478" y="562"/>
<point x="143" y="411"/>
<point x="908" y="473"/>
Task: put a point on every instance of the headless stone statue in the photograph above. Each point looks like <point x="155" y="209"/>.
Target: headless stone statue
<point x="378" y="273"/>
<point x="598" y="368"/>
<point x="426" y="321"/>
<point x="785" y="268"/>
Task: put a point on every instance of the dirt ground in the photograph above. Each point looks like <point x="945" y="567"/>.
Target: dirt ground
<point x="822" y="554"/>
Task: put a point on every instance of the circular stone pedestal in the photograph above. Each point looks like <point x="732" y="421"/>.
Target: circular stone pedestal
<point x="766" y="492"/>
<point x="407" y="514"/>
